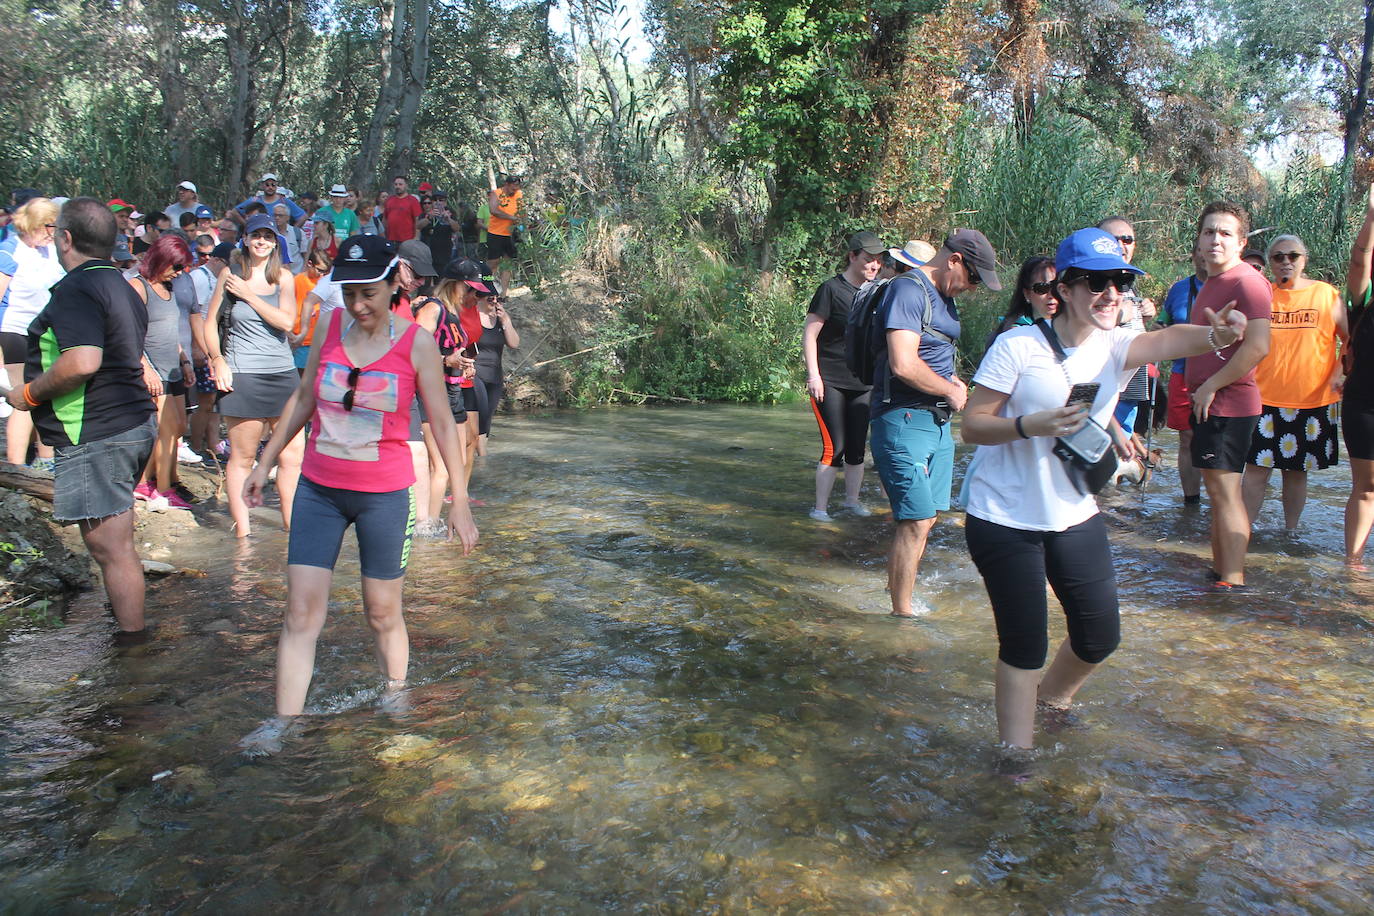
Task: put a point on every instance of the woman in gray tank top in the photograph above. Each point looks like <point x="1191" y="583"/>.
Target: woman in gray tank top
<point x="162" y="358"/>
<point x="247" y="325"/>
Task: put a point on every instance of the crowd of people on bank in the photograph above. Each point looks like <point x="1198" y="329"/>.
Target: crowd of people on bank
<point x="350" y="354"/>
<point x="1263" y="373"/>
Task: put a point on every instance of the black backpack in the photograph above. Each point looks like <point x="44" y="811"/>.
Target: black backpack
<point x="863" y="334"/>
<point x="860" y="352"/>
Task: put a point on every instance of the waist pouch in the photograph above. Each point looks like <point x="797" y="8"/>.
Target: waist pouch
<point x="1090" y="465"/>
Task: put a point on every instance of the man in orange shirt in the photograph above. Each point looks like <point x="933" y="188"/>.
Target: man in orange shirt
<point x="505" y="207"/>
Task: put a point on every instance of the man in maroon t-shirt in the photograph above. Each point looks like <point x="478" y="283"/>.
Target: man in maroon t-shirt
<point x="401" y="211"/>
<point x="1226" y="400"/>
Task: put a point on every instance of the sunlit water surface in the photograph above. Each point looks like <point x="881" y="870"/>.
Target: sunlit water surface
<point x="659" y="687"/>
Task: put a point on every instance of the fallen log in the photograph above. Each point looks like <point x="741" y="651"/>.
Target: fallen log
<point x="26" y="480"/>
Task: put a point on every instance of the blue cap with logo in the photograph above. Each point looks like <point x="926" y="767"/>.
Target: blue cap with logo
<point x="204" y="212"/>
<point x="1092" y="249"/>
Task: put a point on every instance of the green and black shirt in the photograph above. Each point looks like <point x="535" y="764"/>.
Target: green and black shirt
<point x="92" y="306"/>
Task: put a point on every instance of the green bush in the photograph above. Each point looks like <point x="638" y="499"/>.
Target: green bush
<point x="694" y="325"/>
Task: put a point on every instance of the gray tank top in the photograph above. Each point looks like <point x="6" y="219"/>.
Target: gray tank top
<point x="254" y="345"/>
<point x="162" y="343"/>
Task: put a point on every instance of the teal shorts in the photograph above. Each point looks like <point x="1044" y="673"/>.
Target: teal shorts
<point x="914" y="456"/>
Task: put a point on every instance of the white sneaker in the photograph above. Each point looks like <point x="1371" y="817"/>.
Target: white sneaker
<point x="158" y="503"/>
<point x="186" y="456"/>
<point x="821" y="515"/>
<point x="858" y="509"/>
<point x="5" y="408"/>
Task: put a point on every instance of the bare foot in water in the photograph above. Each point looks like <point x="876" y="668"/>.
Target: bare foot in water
<point x="1356" y="564"/>
<point x="267" y="738"/>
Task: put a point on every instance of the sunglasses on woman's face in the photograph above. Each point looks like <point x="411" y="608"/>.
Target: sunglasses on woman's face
<point x="178" y="268"/>
<point x="1098" y="283"/>
<point x="1280" y="256"/>
<point x="1040" y="288"/>
<point x="353" y="375"/>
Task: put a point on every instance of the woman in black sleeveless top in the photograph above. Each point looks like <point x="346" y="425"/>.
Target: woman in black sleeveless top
<point x="498" y="332"/>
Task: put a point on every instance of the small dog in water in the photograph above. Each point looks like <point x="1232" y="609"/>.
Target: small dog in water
<point x="1136" y="471"/>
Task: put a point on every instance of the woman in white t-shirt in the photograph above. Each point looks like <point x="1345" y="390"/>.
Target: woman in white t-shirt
<point x="32" y="271"/>
<point x="1028" y="520"/>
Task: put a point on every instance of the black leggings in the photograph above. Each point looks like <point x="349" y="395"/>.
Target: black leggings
<point x="1078" y="564"/>
<point x="475" y="401"/>
<point x="843" y="419"/>
<point x="495" y="391"/>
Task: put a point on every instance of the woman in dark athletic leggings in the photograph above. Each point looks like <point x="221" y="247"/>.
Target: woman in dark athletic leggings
<point x="838" y="398"/>
<point x="1357" y="402"/>
<point x="498" y="332"/>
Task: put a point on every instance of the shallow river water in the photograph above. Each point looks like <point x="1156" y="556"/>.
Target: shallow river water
<point x="659" y="687"/>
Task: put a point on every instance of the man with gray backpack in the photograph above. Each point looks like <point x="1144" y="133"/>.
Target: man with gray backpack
<point x="910" y="342"/>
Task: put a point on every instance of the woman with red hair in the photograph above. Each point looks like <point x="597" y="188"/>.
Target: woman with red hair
<point x="162" y="361"/>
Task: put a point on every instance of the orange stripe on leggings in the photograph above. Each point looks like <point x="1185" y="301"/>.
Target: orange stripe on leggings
<point x="828" y="447"/>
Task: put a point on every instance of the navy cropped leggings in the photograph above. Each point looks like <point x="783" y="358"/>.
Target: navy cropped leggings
<point x="1077" y="562"/>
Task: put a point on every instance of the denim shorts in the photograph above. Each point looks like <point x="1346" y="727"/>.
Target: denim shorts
<point x="914" y="456"/>
<point x="384" y="524"/>
<point x="96" y="479"/>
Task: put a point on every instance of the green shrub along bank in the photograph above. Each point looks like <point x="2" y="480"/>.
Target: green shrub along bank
<point x="695" y="318"/>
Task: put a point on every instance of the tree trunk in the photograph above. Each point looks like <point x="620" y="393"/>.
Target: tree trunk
<point x="240" y="82"/>
<point x="1023" y="60"/>
<point x="167" y="25"/>
<point x="1354" y="118"/>
<point x="391" y="34"/>
<point x="576" y="119"/>
<point x="416" y="75"/>
<point x="615" y="126"/>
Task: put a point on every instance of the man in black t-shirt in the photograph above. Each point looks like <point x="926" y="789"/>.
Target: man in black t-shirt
<point x="84" y="384"/>
<point x="436" y="230"/>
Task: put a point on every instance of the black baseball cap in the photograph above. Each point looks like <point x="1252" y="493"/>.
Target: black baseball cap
<point x="866" y="241"/>
<point x="470" y="272"/>
<point x="222" y="251"/>
<point x="364" y="259"/>
<point x="977" y="250"/>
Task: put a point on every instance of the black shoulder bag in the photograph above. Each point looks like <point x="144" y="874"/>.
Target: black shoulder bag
<point x="1087" y="454"/>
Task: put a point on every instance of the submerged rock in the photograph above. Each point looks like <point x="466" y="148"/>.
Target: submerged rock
<point x="405" y="748"/>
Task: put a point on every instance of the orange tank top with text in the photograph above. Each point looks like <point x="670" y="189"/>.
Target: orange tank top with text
<point x="1302" y="349"/>
<point x="497" y="225"/>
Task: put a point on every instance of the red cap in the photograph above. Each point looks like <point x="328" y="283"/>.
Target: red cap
<point x="118" y="204"/>
<point x="426" y="186"/>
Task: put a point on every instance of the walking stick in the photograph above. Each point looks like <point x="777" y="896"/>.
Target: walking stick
<point x="1152" y="387"/>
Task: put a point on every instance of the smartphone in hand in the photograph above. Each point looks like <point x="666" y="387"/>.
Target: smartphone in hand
<point x="1083" y="393"/>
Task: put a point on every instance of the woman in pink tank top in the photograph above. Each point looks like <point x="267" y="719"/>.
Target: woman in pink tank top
<point x="356" y="391"/>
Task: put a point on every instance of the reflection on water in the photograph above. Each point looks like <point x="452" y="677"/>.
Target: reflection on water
<point x="660" y="687"/>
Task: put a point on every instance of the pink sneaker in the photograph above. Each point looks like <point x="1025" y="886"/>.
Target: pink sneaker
<point x="144" y="491"/>
<point x="173" y="500"/>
